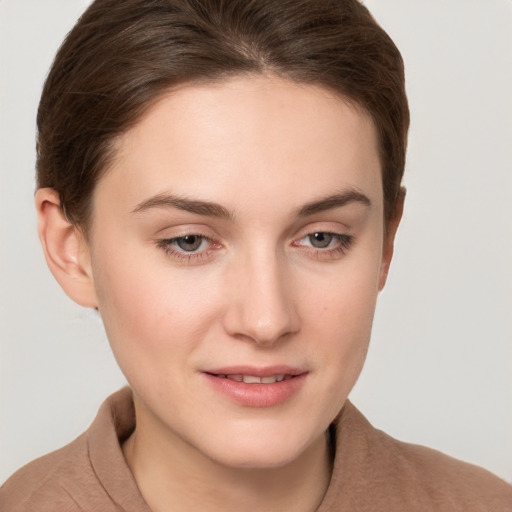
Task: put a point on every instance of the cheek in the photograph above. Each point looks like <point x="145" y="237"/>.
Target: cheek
<point x="344" y="321"/>
<point x="147" y="309"/>
<point x="344" y="298"/>
<point x="339" y="312"/>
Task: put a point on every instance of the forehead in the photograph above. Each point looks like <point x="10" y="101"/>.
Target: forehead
<point x="244" y="139"/>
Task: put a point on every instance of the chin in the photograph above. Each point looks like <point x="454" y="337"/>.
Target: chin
<point x="268" y="460"/>
<point x="264" y="448"/>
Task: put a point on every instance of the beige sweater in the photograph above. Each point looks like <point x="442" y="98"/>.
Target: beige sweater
<point x="372" y="472"/>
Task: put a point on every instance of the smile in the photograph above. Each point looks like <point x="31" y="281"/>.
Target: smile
<point x="257" y="387"/>
<point x="254" y="379"/>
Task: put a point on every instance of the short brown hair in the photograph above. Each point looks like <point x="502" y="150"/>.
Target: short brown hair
<point x="121" y="56"/>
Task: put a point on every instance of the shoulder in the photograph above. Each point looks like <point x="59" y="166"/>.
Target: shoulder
<point x="441" y="480"/>
<point x="405" y="476"/>
<point x="49" y="482"/>
<point x="90" y="473"/>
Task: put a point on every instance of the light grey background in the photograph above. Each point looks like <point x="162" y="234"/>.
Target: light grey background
<point x="439" y="370"/>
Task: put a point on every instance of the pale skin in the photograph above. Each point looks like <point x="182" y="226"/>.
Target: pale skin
<point x="278" y="187"/>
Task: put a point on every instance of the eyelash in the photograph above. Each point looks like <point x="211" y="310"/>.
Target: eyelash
<point x="344" y="244"/>
<point x="169" y="246"/>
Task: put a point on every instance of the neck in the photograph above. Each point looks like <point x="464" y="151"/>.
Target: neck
<point x="175" y="476"/>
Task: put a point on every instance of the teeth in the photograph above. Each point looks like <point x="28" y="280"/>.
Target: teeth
<point x="253" y="379"/>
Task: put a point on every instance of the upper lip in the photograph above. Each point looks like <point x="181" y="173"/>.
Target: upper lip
<point x="257" y="371"/>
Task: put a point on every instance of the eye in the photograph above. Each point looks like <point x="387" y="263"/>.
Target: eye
<point x="326" y="240"/>
<point x="321" y="240"/>
<point x="189" y="243"/>
<point x="189" y="248"/>
<point x="325" y="245"/>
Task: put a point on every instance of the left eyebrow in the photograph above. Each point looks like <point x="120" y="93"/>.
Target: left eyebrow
<point x="334" y="201"/>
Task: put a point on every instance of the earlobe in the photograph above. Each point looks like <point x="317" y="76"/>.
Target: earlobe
<point x="65" y="249"/>
<point x="389" y="240"/>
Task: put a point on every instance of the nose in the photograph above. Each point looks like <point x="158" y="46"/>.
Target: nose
<point x="262" y="306"/>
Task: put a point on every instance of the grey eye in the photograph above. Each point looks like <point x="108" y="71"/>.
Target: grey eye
<point x="321" y="240"/>
<point x="189" y="243"/>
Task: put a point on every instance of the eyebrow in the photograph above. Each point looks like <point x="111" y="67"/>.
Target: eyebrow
<point x="216" y="210"/>
<point x="334" y="201"/>
<point x="189" y="205"/>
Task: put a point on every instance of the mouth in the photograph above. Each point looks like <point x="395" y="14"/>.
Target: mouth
<point x="254" y="379"/>
<point x="257" y="387"/>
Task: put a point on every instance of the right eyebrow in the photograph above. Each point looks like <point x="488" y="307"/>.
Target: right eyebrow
<point x="182" y="203"/>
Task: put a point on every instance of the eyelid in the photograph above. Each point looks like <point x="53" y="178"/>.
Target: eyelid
<point x="168" y="245"/>
<point x="345" y="241"/>
<point x="183" y="229"/>
<point x="340" y="236"/>
<point x="324" y="225"/>
<point x="329" y="233"/>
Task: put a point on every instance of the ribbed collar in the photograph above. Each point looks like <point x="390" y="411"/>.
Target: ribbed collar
<point x="116" y="421"/>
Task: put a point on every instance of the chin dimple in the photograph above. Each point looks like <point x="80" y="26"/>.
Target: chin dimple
<point x="253" y="379"/>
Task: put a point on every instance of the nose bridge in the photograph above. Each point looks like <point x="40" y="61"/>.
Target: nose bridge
<point x="262" y="306"/>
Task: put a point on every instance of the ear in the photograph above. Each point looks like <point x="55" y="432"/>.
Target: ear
<point x="389" y="238"/>
<point x="65" y="249"/>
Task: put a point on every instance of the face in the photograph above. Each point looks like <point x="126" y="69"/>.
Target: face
<point x="236" y="256"/>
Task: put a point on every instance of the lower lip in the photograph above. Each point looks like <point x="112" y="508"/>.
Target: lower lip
<point x="257" y="395"/>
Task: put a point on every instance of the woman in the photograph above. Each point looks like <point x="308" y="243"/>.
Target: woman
<point x="221" y="181"/>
